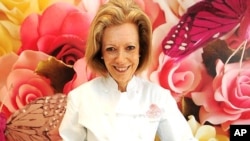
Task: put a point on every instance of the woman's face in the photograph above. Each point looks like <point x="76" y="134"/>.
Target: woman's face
<point x="120" y="51"/>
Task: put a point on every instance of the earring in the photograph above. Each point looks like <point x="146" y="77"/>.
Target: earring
<point x="101" y="57"/>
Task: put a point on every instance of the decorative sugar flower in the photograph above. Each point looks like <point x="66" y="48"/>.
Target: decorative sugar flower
<point x="12" y="15"/>
<point x="23" y="79"/>
<point x="206" y="132"/>
<point x="226" y="100"/>
<point x="55" y="33"/>
<point x="180" y="77"/>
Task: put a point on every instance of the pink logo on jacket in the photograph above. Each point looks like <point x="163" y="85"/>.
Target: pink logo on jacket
<point x="154" y="111"/>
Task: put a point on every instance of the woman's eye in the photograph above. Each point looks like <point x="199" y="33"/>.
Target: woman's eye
<point x="110" y="49"/>
<point x="130" y="47"/>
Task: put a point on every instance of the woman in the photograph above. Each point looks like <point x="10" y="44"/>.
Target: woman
<point x="118" y="105"/>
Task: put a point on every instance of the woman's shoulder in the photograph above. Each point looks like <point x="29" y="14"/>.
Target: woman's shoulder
<point x="154" y="89"/>
<point x="95" y="82"/>
<point x="147" y="84"/>
<point x="157" y="93"/>
<point x="84" y="92"/>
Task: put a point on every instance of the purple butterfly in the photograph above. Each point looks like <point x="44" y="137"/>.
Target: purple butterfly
<point x="203" y="22"/>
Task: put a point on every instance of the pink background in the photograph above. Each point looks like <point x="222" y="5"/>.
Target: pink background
<point x="42" y="44"/>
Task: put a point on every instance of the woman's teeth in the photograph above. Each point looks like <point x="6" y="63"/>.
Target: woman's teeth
<point x="121" y="69"/>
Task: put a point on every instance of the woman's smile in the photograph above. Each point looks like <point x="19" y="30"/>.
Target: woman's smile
<point x="120" y="52"/>
<point x="121" y="69"/>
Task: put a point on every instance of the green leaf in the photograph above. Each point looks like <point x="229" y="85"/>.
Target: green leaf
<point x="217" y="49"/>
<point x="189" y="108"/>
<point x="57" y="71"/>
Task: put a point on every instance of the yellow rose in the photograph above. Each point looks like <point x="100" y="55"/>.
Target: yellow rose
<point x="9" y="41"/>
<point x="205" y="132"/>
<point x="12" y="14"/>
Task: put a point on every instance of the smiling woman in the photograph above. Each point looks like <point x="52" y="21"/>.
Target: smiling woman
<point x="119" y="105"/>
<point x="48" y="47"/>
<point x="120" y="52"/>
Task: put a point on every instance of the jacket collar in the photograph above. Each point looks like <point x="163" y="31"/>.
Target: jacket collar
<point x="110" y="84"/>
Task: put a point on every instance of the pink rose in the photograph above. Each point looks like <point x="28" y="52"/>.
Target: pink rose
<point x="83" y="74"/>
<point x="90" y="6"/>
<point x="61" y="31"/>
<point x="181" y="77"/>
<point x="226" y="100"/>
<point x="19" y="84"/>
<point x="173" y="9"/>
<point x="177" y="7"/>
<point x="153" y="10"/>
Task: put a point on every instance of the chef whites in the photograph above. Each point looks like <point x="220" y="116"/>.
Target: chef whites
<point x="102" y="113"/>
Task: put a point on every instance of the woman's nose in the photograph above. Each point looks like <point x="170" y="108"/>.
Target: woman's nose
<point x="121" y="55"/>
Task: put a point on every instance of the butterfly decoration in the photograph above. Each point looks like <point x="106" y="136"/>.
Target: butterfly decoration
<point x="204" y="22"/>
<point x="38" y="120"/>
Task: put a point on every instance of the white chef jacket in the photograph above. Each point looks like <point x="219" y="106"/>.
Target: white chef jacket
<point x="98" y="111"/>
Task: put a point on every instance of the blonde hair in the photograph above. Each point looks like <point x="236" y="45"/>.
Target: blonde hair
<point x="116" y="12"/>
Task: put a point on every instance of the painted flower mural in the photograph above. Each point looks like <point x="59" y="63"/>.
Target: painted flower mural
<point x="12" y="14"/>
<point x="52" y="33"/>
<point x="22" y="90"/>
<point x="42" y="49"/>
<point x="229" y="102"/>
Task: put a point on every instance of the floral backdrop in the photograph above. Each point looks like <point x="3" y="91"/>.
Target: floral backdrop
<point x="42" y="45"/>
